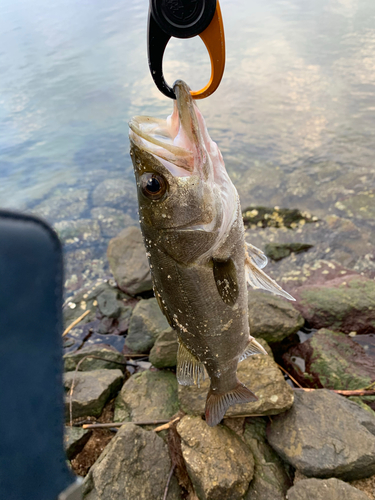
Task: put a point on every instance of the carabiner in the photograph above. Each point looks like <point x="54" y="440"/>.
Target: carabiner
<point x="185" y="19"/>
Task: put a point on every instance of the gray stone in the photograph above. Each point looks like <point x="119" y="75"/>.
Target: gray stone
<point x="109" y="305"/>
<point x="147" y="395"/>
<point x="67" y="204"/>
<point x="110" y="354"/>
<point x="128" y="261"/>
<point x="133" y="466"/>
<point x="75" y="439"/>
<point x="219" y="464"/>
<point x="79" y="232"/>
<point x="324" y="489"/>
<point x="91" y="391"/>
<point x="272" y="476"/>
<point x="272" y="318"/>
<point x="112" y="221"/>
<point x="164" y="352"/>
<point x="261" y="375"/>
<point x="116" y="193"/>
<point x="146" y="323"/>
<point x="324" y="435"/>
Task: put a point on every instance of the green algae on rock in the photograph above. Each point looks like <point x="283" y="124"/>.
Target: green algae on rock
<point x="278" y="251"/>
<point x="275" y="217"/>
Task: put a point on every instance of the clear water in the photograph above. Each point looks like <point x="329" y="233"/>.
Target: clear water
<point x="293" y="116"/>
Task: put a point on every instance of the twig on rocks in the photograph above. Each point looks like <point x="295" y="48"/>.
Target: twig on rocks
<point x="354" y="392"/>
<point x="289" y="375"/>
<point x="119" y="424"/>
<point x="168" y="481"/>
<point x="75" y="322"/>
<point x="167" y="425"/>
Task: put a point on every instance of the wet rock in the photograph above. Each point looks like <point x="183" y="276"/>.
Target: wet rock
<point x="75" y="439"/>
<point x="110" y="354"/>
<point x="278" y="251"/>
<point x="272" y="476"/>
<point x="67" y="204"/>
<point x="75" y="233"/>
<point x="272" y="318"/>
<point x="112" y="221"/>
<point x="147" y="395"/>
<point x="109" y="305"/>
<point x="115" y="193"/>
<point x="91" y="391"/>
<point x="274" y="217"/>
<point x="146" y="323"/>
<point x="219" y="464"/>
<point x="128" y="262"/>
<point x="164" y="352"/>
<point x="134" y="465"/>
<point x="331" y="360"/>
<point x="261" y="375"/>
<point x="324" y="489"/>
<point x="360" y="205"/>
<point x="324" y="435"/>
<point x="344" y="304"/>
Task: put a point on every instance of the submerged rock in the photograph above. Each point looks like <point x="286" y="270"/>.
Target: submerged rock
<point x="272" y="318"/>
<point x="274" y="217"/>
<point x="75" y="439"/>
<point x="344" y="304"/>
<point x="147" y="396"/>
<point x="91" y="391"/>
<point x="112" y="221"/>
<point x="360" y="205"/>
<point x="63" y="204"/>
<point x="278" y="251"/>
<point x="261" y="375"/>
<point x="128" y="261"/>
<point x="164" y="352"/>
<point x="111" y="360"/>
<point x="133" y="466"/>
<point x="219" y="464"/>
<point x="324" y="435"/>
<point x="146" y="323"/>
<point x="324" y="489"/>
<point x="272" y="476"/>
<point x="116" y="193"/>
<point x="77" y="233"/>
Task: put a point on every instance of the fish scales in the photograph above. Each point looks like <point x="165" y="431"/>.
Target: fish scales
<point x="192" y="226"/>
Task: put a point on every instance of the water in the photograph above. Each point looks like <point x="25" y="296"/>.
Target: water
<point x="293" y="116"/>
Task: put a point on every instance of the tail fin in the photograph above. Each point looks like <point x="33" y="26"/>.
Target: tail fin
<point x="217" y="404"/>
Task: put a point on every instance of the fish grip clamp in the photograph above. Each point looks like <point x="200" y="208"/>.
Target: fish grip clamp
<point x="185" y="19"/>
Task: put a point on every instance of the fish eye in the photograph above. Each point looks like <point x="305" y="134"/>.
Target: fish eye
<point x="153" y="186"/>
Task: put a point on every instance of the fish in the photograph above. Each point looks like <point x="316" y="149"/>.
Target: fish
<point x="191" y="221"/>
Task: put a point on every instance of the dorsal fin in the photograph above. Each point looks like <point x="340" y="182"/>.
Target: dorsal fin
<point x="225" y="276"/>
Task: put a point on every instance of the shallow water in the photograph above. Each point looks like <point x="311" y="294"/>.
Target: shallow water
<point x="293" y="116"/>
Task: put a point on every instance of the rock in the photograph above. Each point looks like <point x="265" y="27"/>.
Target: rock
<point x="272" y="318"/>
<point x="274" y="217"/>
<point x="91" y="391"/>
<point x="79" y="232"/>
<point x="146" y="323"/>
<point x="219" y="464"/>
<point x="147" y="395"/>
<point x="324" y="435"/>
<point x="133" y="466"/>
<point x="324" y="489"/>
<point x="116" y="193"/>
<point x="75" y="439"/>
<point x="109" y="305"/>
<point x="261" y="375"/>
<point x="112" y="356"/>
<point x="112" y="221"/>
<point x="164" y="352"/>
<point x="67" y="204"/>
<point x="331" y="360"/>
<point x="278" y="251"/>
<point x="344" y="304"/>
<point x="128" y="261"/>
<point x="272" y="477"/>
<point x="360" y="205"/>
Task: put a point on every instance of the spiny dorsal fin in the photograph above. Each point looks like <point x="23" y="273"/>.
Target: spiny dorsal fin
<point x="253" y="348"/>
<point x="225" y="276"/>
<point x="189" y="370"/>
<point x="256" y="255"/>
<point x="259" y="279"/>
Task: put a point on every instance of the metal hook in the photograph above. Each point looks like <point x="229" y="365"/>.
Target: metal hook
<point x="184" y="19"/>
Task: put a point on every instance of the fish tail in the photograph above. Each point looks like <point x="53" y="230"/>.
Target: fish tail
<point x="217" y="404"/>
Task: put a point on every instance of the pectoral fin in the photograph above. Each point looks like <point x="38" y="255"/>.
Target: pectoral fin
<point x="259" y="279"/>
<point x="189" y="370"/>
<point x="225" y="276"/>
<point x="253" y="348"/>
<point x="256" y="255"/>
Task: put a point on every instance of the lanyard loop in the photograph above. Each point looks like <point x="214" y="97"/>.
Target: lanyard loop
<point x="185" y="19"/>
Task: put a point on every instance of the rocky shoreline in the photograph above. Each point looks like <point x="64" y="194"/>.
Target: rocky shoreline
<point x="290" y="444"/>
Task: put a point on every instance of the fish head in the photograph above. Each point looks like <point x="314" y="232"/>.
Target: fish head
<point x="183" y="187"/>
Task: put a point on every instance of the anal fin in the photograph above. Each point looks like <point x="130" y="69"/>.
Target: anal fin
<point x="254" y="347"/>
<point x="189" y="370"/>
<point x="217" y="404"/>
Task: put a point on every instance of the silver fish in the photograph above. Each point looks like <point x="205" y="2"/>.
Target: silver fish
<point x="193" y="231"/>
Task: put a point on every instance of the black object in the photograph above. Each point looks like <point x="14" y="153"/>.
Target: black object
<point x="32" y="459"/>
<point x="178" y="18"/>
